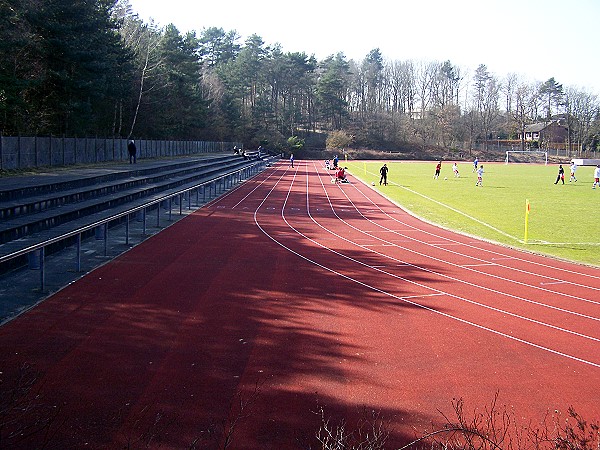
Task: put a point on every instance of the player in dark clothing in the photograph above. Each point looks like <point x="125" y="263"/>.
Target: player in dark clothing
<point x="383" y="171"/>
<point x="132" y="152"/>
<point x="438" y="168"/>
<point x="561" y="175"/>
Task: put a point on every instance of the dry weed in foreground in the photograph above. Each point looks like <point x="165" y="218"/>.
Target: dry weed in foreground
<point x="494" y="428"/>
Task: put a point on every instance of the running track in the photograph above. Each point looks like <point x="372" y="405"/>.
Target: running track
<point x="290" y="293"/>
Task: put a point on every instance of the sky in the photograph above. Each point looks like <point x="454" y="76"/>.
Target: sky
<point x="534" y="39"/>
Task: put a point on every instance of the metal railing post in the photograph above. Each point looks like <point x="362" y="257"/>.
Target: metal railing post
<point x="144" y="221"/>
<point x="42" y="269"/>
<point x="106" y="239"/>
<point x="78" y="257"/>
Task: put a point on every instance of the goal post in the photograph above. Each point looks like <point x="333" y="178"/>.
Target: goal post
<point x="526" y="156"/>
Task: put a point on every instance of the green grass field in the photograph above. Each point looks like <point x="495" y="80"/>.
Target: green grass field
<point x="564" y="221"/>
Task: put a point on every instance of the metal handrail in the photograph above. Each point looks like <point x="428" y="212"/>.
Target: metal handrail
<point x="77" y="232"/>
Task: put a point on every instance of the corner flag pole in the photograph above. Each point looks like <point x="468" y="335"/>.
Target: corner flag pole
<point x="527" y="209"/>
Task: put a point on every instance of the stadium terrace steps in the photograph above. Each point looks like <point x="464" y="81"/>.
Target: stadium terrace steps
<point x="40" y="207"/>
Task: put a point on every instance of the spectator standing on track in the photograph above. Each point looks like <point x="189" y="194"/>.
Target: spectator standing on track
<point x="292" y="160"/>
<point x="573" y="169"/>
<point x="561" y="175"/>
<point x="132" y="150"/>
<point x="479" y="176"/>
<point x="596" y="177"/>
<point x="335" y="161"/>
<point x="383" y="171"/>
<point x="438" y="169"/>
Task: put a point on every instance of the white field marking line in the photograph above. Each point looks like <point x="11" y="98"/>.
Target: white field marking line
<point x="552" y="282"/>
<point x="272" y="172"/>
<point x="476" y="265"/>
<point x="474" y="219"/>
<point x="389" y="294"/>
<point x="493" y="252"/>
<point x="448" y="277"/>
<point x="422" y="296"/>
<point x="566" y="311"/>
<point x="561" y="243"/>
<point x="216" y="201"/>
<point x="489" y="251"/>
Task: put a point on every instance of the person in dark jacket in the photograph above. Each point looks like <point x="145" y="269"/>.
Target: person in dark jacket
<point x="132" y="152"/>
<point x="383" y="171"/>
<point x="561" y="175"/>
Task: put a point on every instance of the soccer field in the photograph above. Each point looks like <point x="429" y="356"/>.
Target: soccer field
<point x="564" y="220"/>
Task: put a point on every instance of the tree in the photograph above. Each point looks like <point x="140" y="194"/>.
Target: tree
<point x="19" y="70"/>
<point x="581" y="109"/>
<point x="551" y="94"/>
<point x="182" y="109"/>
<point x="217" y="51"/>
<point x="485" y="101"/>
<point x="524" y="103"/>
<point x="216" y="47"/>
<point x="143" y="41"/>
<point x="67" y="65"/>
<point x="290" y="77"/>
<point x="332" y="89"/>
<point x="372" y="69"/>
<point x="338" y="140"/>
<point x="445" y="111"/>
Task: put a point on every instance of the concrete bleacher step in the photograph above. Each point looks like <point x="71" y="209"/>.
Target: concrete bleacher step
<point x="40" y="193"/>
<point x="69" y="204"/>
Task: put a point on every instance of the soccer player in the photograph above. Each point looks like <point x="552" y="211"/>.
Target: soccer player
<point x="438" y="168"/>
<point x="573" y="169"/>
<point x="561" y="175"/>
<point x="596" y="177"/>
<point x="455" y="170"/>
<point x="479" y="176"/>
<point x="383" y="171"/>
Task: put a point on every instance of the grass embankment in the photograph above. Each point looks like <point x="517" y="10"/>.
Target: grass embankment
<point x="564" y="221"/>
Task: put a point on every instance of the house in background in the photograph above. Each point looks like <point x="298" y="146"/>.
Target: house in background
<point x="545" y="133"/>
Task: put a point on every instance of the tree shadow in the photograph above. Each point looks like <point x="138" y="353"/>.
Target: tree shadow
<point x="161" y="346"/>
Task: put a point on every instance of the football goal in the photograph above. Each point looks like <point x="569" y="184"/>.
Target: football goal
<point x="526" y="156"/>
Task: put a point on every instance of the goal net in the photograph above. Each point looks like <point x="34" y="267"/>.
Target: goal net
<point x="526" y="156"/>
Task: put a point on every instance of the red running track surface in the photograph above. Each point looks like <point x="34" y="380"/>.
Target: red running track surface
<point x="288" y="294"/>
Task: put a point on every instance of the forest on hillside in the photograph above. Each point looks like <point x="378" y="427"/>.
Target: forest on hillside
<point x="94" y="68"/>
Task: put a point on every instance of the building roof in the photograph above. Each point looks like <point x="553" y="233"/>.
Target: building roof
<point x="536" y="127"/>
<point x="540" y="126"/>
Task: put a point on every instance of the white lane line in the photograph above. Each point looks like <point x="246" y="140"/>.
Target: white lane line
<point x="458" y="280"/>
<point x="477" y="245"/>
<point x="406" y="297"/>
<point x="347" y="277"/>
<point x="474" y="219"/>
<point x="478" y="265"/>
<point x="479" y="259"/>
<point x="439" y="274"/>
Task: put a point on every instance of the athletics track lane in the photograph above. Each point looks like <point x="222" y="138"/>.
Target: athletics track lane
<point x="320" y="294"/>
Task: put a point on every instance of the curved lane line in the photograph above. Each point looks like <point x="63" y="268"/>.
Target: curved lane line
<point x="403" y="299"/>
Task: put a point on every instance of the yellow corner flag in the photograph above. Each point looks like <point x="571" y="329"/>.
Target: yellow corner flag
<point x="527" y="209"/>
